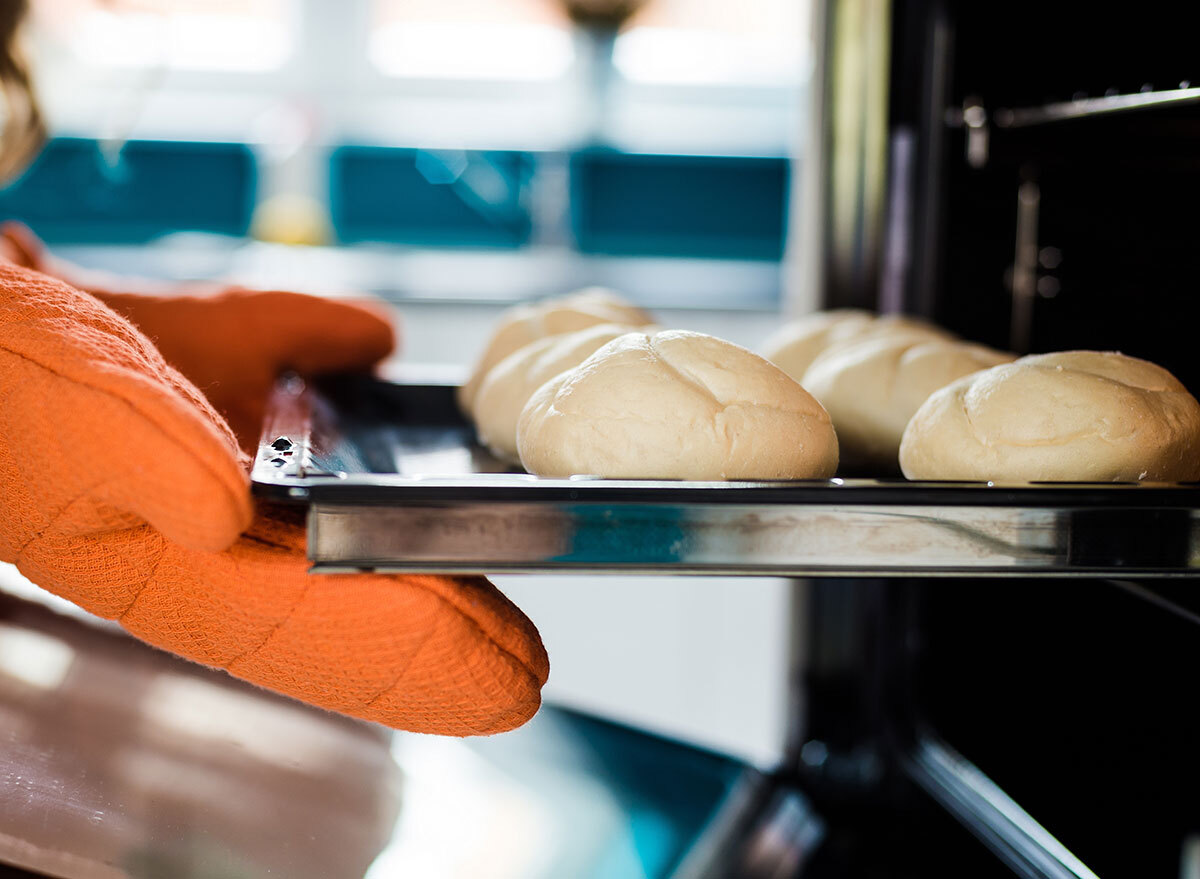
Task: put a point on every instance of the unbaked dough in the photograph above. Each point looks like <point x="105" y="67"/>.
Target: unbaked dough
<point x="676" y="405"/>
<point x="872" y="387"/>
<point x="510" y="383"/>
<point x="1073" y="416"/>
<point x="523" y="324"/>
<point x="795" y="346"/>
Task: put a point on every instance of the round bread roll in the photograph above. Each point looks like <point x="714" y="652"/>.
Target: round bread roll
<point x="523" y="324"/>
<point x="676" y="405"/>
<point x="1074" y="416"/>
<point x="795" y="346"/>
<point x="510" y="383"/>
<point x="872" y="387"/>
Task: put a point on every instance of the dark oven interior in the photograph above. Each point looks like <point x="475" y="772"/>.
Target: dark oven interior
<point x="1052" y="199"/>
<point x="1043" y="175"/>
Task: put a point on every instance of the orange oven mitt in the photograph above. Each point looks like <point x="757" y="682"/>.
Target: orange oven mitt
<point x="123" y="490"/>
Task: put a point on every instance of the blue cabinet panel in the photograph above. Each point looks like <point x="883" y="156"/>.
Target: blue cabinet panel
<point x="431" y="197"/>
<point x="75" y="192"/>
<point x="699" y="206"/>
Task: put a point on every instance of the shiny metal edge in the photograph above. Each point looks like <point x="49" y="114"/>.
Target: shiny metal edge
<point x="756" y="540"/>
<point x="991" y="815"/>
<point x="1024" y="117"/>
<point x="287" y="420"/>
<point x="487" y="569"/>
<point x="764" y="828"/>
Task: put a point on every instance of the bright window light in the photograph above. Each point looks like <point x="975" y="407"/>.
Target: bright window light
<point x="33" y="658"/>
<point x="500" y="40"/>
<point x="242" y="36"/>
<point x="471" y="50"/>
<point x="707" y="42"/>
<point x="683" y="57"/>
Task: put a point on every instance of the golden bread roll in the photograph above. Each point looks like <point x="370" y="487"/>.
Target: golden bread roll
<point x="1072" y="416"/>
<point x="872" y="387"/>
<point x="676" y="405"/>
<point x="522" y="324"/>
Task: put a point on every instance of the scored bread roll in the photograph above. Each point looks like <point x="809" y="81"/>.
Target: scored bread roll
<point x="510" y="383"/>
<point x="522" y="324"/>
<point x="795" y="346"/>
<point x="1073" y="416"/>
<point x="676" y="405"/>
<point x="872" y="387"/>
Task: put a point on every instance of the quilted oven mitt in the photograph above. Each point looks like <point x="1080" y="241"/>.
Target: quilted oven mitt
<point x="230" y="343"/>
<point x="123" y="490"/>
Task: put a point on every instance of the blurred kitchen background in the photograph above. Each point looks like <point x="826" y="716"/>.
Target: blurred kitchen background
<point x="433" y="151"/>
<point x="454" y="157"/>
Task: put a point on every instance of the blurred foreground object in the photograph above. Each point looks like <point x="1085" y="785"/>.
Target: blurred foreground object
<point x="602" y="14"/>
<point x="24" y="129"/>
<point x="291" y="219"/>
<point x="125" y="762"/>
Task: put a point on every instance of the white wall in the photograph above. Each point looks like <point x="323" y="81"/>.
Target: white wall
<point x="705" y="660"/>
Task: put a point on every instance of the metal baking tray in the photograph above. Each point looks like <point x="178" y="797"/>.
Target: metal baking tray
<point x="394" y="480"/>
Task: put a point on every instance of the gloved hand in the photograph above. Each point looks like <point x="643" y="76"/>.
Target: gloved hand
<point x="230" y="343"/>
<point x="123" y="490"/>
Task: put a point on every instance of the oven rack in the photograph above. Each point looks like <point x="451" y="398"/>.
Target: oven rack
<point x="974" y="114"/>
<point x="393" y="481"/>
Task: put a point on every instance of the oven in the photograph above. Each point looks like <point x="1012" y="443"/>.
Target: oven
<point x="988" y="680"/>
<point x="993" y="680"/>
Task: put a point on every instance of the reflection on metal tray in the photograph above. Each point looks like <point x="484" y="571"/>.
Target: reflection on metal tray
<point x="394" y="481"/>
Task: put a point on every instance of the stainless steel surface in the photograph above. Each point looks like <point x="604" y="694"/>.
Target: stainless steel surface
<point x="855" y="52"/>
<point x="1025" y="265"/>
<point x="1145" y="593"/>
<point x="731" y="539"/>
<point x="394" y="481"/>
<point x="764" y="830"/>
<point x="994" y="817"/>
<point x="974" y="116"/>
<point x="119" y="761"/>
<point x="1086" y="107"/>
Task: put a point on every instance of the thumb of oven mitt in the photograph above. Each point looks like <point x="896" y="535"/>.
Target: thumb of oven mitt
<point x="123" y="490"/>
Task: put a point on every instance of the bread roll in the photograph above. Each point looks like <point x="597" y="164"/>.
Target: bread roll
<point x="523" y="324"/>
<point x="510" y="383"/>
<point x="676" y="405"/>
<point x="1074" y="416"/>
<point x="872" y="387"/>
<point x="794" y="347"/>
